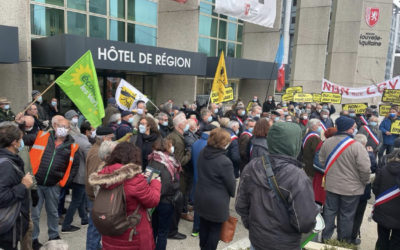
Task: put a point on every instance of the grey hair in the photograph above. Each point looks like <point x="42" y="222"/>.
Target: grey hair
<point x="325" y="111"/>
<point x="55" y="245"/>
<point x="8" y="123"/>
<point x="161" y="115"/>
<point x="313" y="122"/>
<point x="361" y="139"/>
<point x="106" y="149"/>
<point x="204" y="112"/>
<point x="255" y="107"/>
<point x="115" y="117"/>
<point x="179" y="119"/>
<point x="246" y="122"/>
<point x="231" y="124"/>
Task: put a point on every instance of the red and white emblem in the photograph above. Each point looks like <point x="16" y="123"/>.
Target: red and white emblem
<point x="371" y="16"/>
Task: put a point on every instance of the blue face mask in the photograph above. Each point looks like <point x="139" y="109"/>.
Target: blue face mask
<point x="53" y="104"/>
<point x="165" y="124"/>
<point x="242" y="113"/>
<point x="276" y="119"/>
<point x="186" y="128"/>
<point x="251" y="130"/>
<point x="6" y="107"/>
<point x="373" y="124"/>
<point x="130" y="120"/>
<point x="142" y="129"/>
<point x="21" y="146"/>
<point x="319" y="130"/>
<point x="392" y="115"/>
<point x="209" y="119"/>
<point x="352" y="114"/>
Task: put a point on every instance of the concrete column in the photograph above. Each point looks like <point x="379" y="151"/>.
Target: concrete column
<point x="177" y="87"/>
<point x="310" y="44"/>
<point x="260" y="43"/>
<point x="16" y="79"/>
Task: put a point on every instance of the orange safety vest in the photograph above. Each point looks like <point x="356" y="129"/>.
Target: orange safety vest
<point x="37" y="152"/>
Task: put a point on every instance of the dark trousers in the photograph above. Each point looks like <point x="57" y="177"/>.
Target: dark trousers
<point x="161" y="220"/>
<point x="388" y="239"/>
<point x="358" y="218"/>
<point x="78" y="202"/>
<point x="209" y="234"/>
<point x="61" y="200"/>
<point x="176" y="217"/>
<point x="388" y="148"/>
<point x="186" y="183"/>
<point x="344" y="207"/>
<point x="7" y="246"/>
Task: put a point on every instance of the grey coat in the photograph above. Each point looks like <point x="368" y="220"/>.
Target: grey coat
<point x="259" y="147"/>
<point x="84" y="147"/>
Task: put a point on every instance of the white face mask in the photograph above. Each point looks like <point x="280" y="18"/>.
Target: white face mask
<point x="29" y="129"/>
<point x="61" y="132"/>
<point x="6" y="107"/>
<point x="270" y="100"/>
<point x="74" y="121"/>
<point x="142" y="129"/>
<point x="93" y="134"/>
<point x="324" y="116"/>
<point x="140" y="111"/>
<point x="305" y="117"/>
<point x="172" y="149"/>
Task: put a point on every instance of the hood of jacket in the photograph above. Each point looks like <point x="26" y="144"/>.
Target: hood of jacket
<point x="212" y="153"/>
<point x="393" y="166"/>
<point x="284" y="138"/>
<point x="114" y="175"/>
<point x="5" y="153"/>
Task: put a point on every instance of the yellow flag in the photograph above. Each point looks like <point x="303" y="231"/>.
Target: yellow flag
<point x="220" y="79"/>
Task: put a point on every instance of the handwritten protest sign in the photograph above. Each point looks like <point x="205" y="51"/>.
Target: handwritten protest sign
<point x="301" y="97"/>
<point x="316" y="97"/>
<point x="359" y="108"/>
<point x="384" y="109"/>
<point x="395" y="129"/>
<point x="331" y="98"/>
<point x="391" y="95"/>
<point x="295" y="89"/>
<point x="287" y="97"/>
<point x="228" y="96"/>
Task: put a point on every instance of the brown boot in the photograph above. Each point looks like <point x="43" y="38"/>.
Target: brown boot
<point x="187" y="217"/>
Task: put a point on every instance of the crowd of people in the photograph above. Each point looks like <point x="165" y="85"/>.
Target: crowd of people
<point x="291" y="161"/>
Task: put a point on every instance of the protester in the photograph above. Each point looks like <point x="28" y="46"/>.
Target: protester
<point x="345" y="178"/>
<point x="140" y="112"/>
<point x="252" y="103"/>
<point x="38" y="125"/>
<point x="233" y="149"/>
<point x="257" y="202"/>
<point x="386" y="209"/>
<point x="326" y="121"/>
<point x="162" y="159"/>
<point x="205" y="120"/>
<point x="269" y="104"/>
<point x="126" y="124"/>
<point x="255" y="113"/>
<point x="259" y="144"/>
<point x="317" y="112"/>
<point x="110" y="110"/>
<point x="388" y="138"/>
<point x="114" y="121"/>
<point x="164" y="125"/>
<point x="148" y="134"/>
<point x="5" y="111"/>
<point x="42" y="115"/>
<point x="14" y="185"/>
<point x="52" y="108"/>
<point x="309" y="145"/>
<point x="216" y="113"/>
<point x="240" y="117"/>
<point x="373" y="134"/>
<point x="124" y="167"/>
<point x="216" y="184"/>
<point x="244" y="142"/>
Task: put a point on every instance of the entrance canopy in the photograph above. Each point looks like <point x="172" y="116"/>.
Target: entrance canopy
<point x="9" y="50"/>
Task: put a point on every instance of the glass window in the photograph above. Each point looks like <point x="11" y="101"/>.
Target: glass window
<point x="222" y="29"/>
<point x="207" y="46"/>
<point x="239" y="33"/>
<point x="117" y="8"/>
<point x="117" y="31"/>
<point x="143" y="11"/>
<point x="77" y="4"/>
<point x="46" y="21"/>
<point x="142" y="35"/>
<point x="208" y="26"/>
<point x="231" y="50"/>
<point x="232" y="27"/>
<point x="238" y="51"/>
<point x="98" y="27"/>
<point x="76" y="23"/>
<point x="221" y="47"/>
<point x="55" y="2"/>
<point x="98" y="6"/>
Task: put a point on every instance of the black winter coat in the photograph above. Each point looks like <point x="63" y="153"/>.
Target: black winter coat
<point x="233" y="151"/>
<point x="387" y="214"/>
<point x="269" y="106"/>
<point x="54" y="161"/>
<point x="124" y="128"/>
<point x="12" y="190"/>
<point x="216" y="184"/>
<point x="168" y="187"/>
<point x="269" y="222"/>
<point x="145" y="143"/>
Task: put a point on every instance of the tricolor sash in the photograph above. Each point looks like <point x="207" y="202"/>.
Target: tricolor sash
<point x="362" y="118"/>
<point x="387" y="195"/>
<point x="247" y="133"/>
<point x="323" y="126"/>
<point x="334" y="155"/>
<point x="308" y="136"/>
<point x="240" y="121"/>
<point x="233" y="137"/>
<point x="372" y="135"/>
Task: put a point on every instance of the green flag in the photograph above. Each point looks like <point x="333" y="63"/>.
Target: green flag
<point x="80" y="83"/>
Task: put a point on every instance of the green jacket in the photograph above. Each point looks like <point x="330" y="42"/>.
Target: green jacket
<point x="6" y="115"/>
<point x="182" y="155"/>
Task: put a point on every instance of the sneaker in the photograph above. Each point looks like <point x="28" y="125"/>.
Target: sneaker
<point x="55" y="238"/>
<point x="177" y="236"/>
<point x="84" y="222"/>
<point x="70" y="229"/>
<point x="36" y="245"/>
<point x="195" y="234"/>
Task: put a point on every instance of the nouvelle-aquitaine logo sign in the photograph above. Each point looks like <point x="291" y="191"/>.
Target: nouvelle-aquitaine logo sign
<point x="371" y="16"/>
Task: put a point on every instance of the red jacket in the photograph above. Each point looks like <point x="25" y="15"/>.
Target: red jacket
<point x="137" y="191"/>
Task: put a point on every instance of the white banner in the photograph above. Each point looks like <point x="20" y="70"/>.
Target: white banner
<point x="261" y="12"/>
<point x="127" y="96"/>
<point x="362" y="92"/>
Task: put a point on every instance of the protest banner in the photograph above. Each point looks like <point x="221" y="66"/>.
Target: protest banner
<point x="359" y="108"/>
<point x="384" y="109"/>
<point x="301" y="97"/>
<point x="127" y="96"/>
<point x="316" y="97"/>
<point x="227" y="97"/>
<point x="80" y="84"/>
<point x="287" y="97"/>
<point x="331" y="98"/>
<point x="362" y="92"/>
<point x="391" y="95"/>
<point x="293" y="90"/>
<point x="395" y="128"/>
<point x="220" y="79"/>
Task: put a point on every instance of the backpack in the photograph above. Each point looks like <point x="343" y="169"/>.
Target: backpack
<point x="109" y="213"/>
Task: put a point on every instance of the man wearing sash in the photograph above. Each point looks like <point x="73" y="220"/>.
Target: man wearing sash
<point x="371" y="131"/>
<point x="347" y="171"/>
<point x="244" y="141"/>
<point x="309" y="144"/>
<point x="387" y="204"/>
<point x="325" y="120"/>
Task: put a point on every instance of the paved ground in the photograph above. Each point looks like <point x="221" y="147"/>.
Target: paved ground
<point x="77" y="240"/>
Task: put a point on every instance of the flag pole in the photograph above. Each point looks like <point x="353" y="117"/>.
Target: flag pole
<point x="42" y="93"/>
<point x="154" y="105"/>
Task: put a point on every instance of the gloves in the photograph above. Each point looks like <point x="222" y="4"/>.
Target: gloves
<point x="35" y="197"/>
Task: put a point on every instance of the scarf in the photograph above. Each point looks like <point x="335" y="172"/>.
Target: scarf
<point x="172" y="165"/>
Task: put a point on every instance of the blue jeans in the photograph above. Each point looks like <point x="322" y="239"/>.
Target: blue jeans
<point x="77" y="203"/>
<point x="93" y="237"/>
<point x="48" y="194"/>
<point x="161" y="220"/>
<point x="61" y="200"/>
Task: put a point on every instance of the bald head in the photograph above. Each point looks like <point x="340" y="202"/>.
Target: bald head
<point x="55" y="120"/>
<point x="29" y="122"/>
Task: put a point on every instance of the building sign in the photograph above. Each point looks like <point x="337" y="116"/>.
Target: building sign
<point x="371" y="16"/>
<point x="370" y="39"/>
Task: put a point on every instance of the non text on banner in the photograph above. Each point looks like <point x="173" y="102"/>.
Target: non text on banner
<point x="316" y="97"/>
<point x="359" y="108"/>
<point x="293" y="90"/>
<point x="287" y="97"/>
<point x="301" y="97"/>
<point x="331" y="98"/>
<point x="362" y="92"/>
<point x="395" y="128"/>
<point x="227" y="97"/>
<point x="391" y="95"/>
<point x="127" y="96"/>
<point x="384" y="109"/>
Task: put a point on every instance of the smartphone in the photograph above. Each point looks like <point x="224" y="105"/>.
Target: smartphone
<point x="151" y="173"/>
